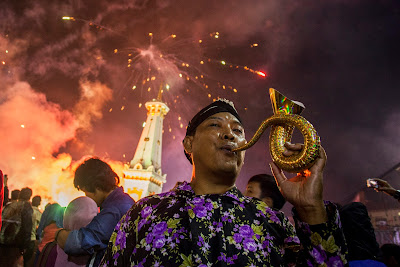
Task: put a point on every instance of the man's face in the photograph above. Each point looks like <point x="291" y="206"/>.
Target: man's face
<point x="213" y="142"/>
<point x="253" y="190"/>
<point x="97" y="196"/>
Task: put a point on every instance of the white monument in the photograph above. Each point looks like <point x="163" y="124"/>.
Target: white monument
<point x="144" y="176"/>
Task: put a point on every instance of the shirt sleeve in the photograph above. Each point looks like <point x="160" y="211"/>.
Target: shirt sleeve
<point x="94" y="236"/>
<point x="322" y="244"/>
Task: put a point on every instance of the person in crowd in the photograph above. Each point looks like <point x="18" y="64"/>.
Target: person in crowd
<point x="6" y="190"/>
<point x="26" y="223"/>
<point x="99" y="182"/>
<point x="2" y="181"/>
<point x="50" y="222"/>
<point x="6" y="198"/>
<point x="385" y="187"/>
<point x="263" y="187"/>
<point x="391" y="255"/>
<point x="36" y="216"/>
<point x="208" y="222"/>
<point x="14" y="196"/>
<point x="360" y="236"/>
<point x="16" y="229"/>
<point x="79" y="213"/>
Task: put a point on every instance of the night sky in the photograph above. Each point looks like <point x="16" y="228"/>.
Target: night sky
<point x="66" y="85"/>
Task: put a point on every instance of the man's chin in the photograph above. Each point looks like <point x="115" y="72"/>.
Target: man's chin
<point x="229" y="171"/>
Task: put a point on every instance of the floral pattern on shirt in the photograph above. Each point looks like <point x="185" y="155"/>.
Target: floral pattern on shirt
<point x="179" y="228"/>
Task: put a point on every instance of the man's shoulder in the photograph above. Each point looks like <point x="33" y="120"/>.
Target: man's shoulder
<point x="157" y="197"/>
<point x="36" y="209"/>
<point x="14" y="204"/>
<point x="36" y="212"/>
<point x="118" y="196"/>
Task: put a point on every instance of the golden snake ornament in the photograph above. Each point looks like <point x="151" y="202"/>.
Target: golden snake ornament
<point x="286" y="117"/>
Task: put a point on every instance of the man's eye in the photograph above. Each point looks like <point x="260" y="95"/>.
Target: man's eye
<point x="238" y="130"/>
<point x="213" y="124"/>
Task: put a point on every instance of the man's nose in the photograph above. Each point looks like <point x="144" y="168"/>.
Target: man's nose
<point x="227" y="134"/>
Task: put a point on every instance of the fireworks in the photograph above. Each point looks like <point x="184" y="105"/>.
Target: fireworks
<point x="184" y="68"/>
<point x="165" y="64"/>
<point x="68" y="18"/>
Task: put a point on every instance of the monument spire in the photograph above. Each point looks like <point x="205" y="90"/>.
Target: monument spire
<point x="144" y="176"/>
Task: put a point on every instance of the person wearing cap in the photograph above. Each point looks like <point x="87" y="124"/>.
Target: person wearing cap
<point x="208" y="222"/>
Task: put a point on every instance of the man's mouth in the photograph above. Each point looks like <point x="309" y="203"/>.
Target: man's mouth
<point x="228" y="149"/>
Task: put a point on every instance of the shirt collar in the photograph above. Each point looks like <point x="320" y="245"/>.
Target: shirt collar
<point x="113" y="195"/>
<point x="186" y="190"/>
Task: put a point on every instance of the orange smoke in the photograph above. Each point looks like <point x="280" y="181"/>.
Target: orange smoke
<point x="33" y="130"/>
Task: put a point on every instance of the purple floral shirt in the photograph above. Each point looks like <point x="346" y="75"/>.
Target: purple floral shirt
<point x="179" y="228"/>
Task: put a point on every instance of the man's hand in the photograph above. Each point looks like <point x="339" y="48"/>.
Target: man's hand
<point x="384" y="186"/>
<point x="304" y="192"/>
<point x="61" y="237"/>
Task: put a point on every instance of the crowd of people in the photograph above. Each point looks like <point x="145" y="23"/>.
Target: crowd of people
<point x="204" y="222"/>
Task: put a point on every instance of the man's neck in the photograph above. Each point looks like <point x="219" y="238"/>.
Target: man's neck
<point x="106" y="194"/>
<point x="203" y="184"/>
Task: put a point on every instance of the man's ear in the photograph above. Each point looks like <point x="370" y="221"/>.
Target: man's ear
<point x="187" y="144"/>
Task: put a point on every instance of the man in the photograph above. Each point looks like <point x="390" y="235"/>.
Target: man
<point x="263" y="187"/>
<point x="16" y="228"/>
<point x="6" y="191"/>
<point x="99" y="182"/>
<point x="210" y="223"/>
<point x="26" y="224"/>
<point x="36" y="215"/>
<point x="360" y="236"/>
<point x="2" y="198"/>
<point x="14" y="197"/>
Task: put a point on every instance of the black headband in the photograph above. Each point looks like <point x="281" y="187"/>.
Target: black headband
<point x="220" y="105"/>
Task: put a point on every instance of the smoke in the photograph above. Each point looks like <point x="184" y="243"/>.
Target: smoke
<point x="93" y="97"/>
<point x="32" y="131"/>
<point x="316" y="52"/>
<point x="35" y="129"/>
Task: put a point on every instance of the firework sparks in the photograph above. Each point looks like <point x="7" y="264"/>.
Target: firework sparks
<point x="170" y="63"/>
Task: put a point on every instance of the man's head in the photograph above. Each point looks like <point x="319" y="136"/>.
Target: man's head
<point x="211" y="136"/>
<point x="96" y="179"/>
<point x="263" y="187"/>
<point x="15" y="194"/>
<point x="36" y="201"/>
<point x="25" y="194"/>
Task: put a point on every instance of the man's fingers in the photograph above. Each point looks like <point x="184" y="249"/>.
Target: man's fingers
<point x="291" y="149"/>
<point x="320" y="161"/>
<point x="291" y="146"/>
<point x="278" y="174"/>
<point x="382" y="183"/>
